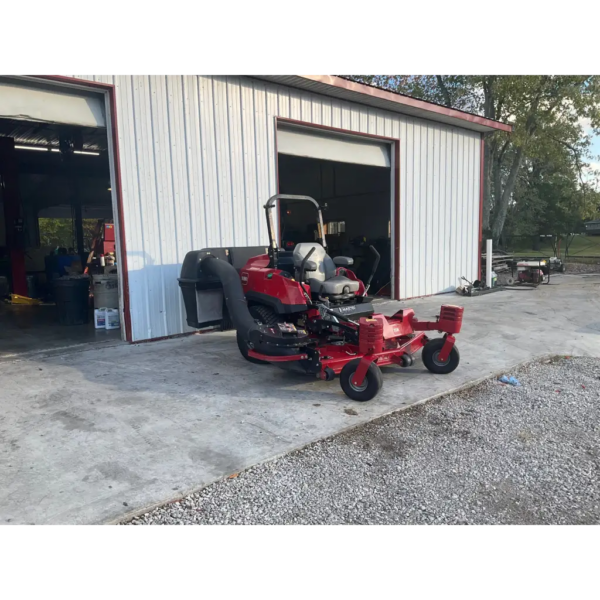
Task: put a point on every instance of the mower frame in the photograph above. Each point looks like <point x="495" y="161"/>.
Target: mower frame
<point x="273" y="242"/>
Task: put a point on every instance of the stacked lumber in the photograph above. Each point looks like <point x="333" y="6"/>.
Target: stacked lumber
<point x="500" y="261"/>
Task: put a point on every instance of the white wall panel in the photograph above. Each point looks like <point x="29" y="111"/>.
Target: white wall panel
<point x="198" y="162"/>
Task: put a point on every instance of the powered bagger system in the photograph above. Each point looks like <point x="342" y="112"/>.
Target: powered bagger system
<point x="303" y="310"/>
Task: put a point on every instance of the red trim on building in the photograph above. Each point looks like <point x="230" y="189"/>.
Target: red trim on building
<point x="110" y="89"/>
<point x="481" y="186"/>
<point x="13" y="210"/>
<point x="368" y="90"/>
<point x="396" y="171"/>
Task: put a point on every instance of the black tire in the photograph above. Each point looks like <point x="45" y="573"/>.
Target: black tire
<point x="266" y="316"/>
<point x="371" y="384"/>
<point x="430" y="353"/>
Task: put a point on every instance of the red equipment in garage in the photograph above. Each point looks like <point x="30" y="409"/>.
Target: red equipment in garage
<point x="108" y="244"/>
<point x="305" y="310"/>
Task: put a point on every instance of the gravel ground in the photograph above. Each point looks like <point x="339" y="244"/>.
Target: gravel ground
<point x="493" y="454"/>
<point x="582" y="268"/>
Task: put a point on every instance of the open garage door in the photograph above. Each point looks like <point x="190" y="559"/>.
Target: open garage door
<point x="351" y="179"/>
<point x="301" y="141"/>
<point x="57" y="218"/>
<point x="45" y="104"/>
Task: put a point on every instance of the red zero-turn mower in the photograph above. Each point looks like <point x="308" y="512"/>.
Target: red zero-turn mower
<point x="301" y="309"/>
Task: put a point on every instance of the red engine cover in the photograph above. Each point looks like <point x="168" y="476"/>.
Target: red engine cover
<point x="257" y="277"/>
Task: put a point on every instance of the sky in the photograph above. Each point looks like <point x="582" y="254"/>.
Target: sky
<point x="595" y="144"/>
<point x="595" y="149"/>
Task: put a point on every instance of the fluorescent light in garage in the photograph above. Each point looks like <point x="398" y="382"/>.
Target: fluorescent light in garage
<point x="39" y="148"/>
<point x="46" y="149"/>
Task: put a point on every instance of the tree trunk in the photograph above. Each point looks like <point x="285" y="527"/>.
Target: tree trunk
<point x="502" y="200"/>
<point x="487" y="184"/>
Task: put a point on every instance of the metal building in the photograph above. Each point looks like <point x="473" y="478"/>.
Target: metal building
<point x="194" y="158"/>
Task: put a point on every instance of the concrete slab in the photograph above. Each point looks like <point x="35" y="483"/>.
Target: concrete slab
<point x="88" y="436"/>
<point x="35" y="329"/>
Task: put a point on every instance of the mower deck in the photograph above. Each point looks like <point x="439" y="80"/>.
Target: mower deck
<point x="382" y="342"/>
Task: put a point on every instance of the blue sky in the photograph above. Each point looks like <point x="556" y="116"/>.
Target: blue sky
<point x="596" y="146"/>
<point x="594" y="159"/>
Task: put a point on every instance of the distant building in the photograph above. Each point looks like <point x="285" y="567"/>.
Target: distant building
<point x="593" y="227"/>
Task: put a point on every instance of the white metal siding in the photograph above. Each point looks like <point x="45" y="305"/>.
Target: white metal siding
<point x="198" y="162"/>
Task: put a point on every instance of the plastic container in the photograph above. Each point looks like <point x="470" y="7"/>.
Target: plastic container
<point x="100" y="318"/>
<point x="112" y="319"/>
<point x="31" y="286"/>
<point x="106" y="291"/>
<point x="72" y="296"/>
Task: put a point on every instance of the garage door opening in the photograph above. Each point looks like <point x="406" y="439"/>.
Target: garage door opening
<point x="356" y="201"/>
<point x="56" y="219"/>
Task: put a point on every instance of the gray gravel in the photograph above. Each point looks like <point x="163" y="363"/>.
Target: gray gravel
<point x="493" y="454"/>
<point x="582" y="268"/>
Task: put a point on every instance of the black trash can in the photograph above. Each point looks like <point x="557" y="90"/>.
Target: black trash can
<point x="72" y="300"/>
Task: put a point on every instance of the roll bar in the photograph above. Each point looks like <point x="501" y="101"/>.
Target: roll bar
<point x="273" y="249"/>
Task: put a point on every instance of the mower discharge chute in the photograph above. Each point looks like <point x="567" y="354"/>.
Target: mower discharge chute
<point x="303" y="309"/>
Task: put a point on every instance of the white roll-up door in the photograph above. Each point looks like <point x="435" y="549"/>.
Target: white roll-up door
<point x="50" y="104"/>
<point x="307" y="142"/>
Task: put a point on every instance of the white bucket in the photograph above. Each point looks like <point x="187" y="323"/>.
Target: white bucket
<point x="100" y="318"/>
<point x="106" y="291"/>
<point x="112" y="319"/>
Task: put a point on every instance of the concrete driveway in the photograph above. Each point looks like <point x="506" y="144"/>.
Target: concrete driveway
<point x="88" y="436"/>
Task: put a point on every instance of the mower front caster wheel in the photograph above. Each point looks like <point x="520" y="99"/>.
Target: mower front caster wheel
<point x="370" y="386"/>
<point x="431" y="353"/>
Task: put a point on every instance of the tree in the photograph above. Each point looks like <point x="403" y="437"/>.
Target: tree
<point x="56" y="232"/>
<point x="550" y="199"/>
<point x="59" y="232"/>
<point x="545" y="111"/>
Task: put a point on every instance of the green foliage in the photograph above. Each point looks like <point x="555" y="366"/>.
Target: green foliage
<point x="60" y="232"/>
<point x="537" y="176"/>
<point x="56" y="232"/>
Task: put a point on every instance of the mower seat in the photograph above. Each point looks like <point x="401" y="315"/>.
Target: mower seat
<point x="323" y="280"/>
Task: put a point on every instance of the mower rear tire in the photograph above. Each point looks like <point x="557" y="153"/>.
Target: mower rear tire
<point x="264" y="314"/>
<point x="370" y="386"/>
<point x="431" y="352"/>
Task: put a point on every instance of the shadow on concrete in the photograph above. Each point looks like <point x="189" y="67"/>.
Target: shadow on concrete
<point x="87" y="436"/>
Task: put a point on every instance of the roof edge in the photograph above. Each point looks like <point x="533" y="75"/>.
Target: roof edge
<point x="408" y="101"/>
